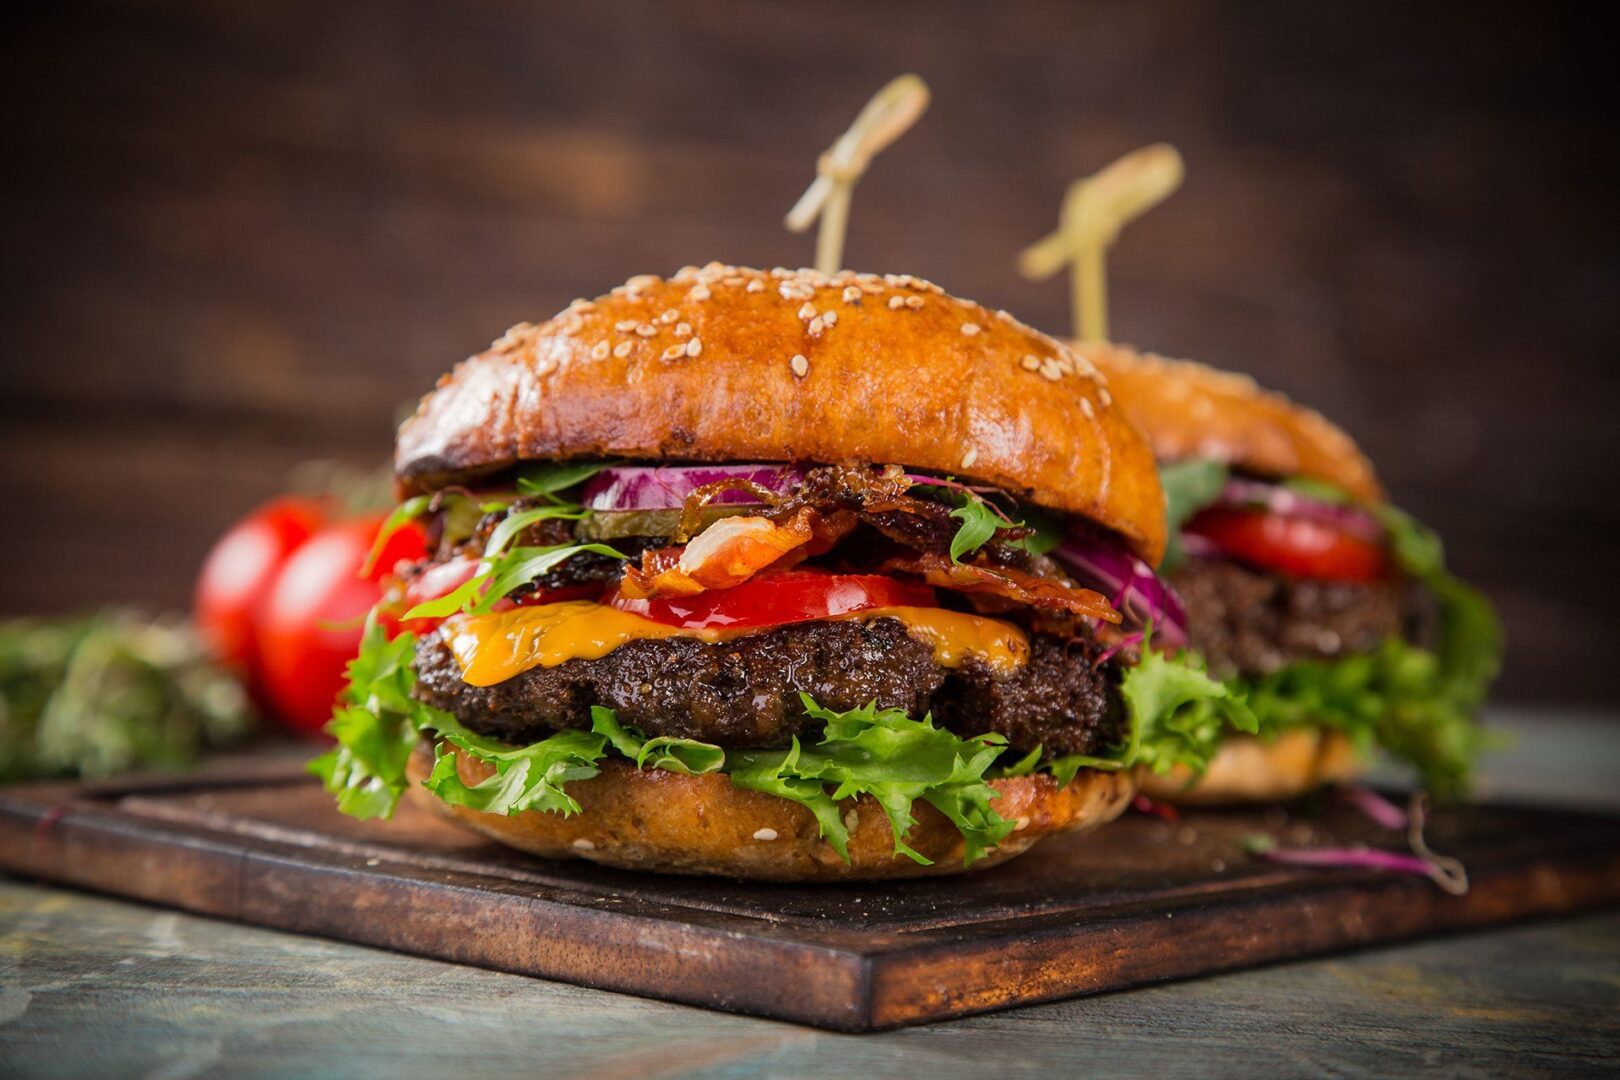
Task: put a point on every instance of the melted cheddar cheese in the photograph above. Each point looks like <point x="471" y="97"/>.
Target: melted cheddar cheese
<point x="493" y="648"/>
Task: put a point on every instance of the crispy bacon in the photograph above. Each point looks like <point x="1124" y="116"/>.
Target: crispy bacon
<point x="1006" y="582"/>
<point x="727" y="553"/>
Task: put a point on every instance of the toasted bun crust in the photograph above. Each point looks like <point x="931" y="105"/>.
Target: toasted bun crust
<point x="1247" y="769"/>
<point x="650" y="819"/>
<point x="1191" y="410"/>
<point x="733" y="364"/>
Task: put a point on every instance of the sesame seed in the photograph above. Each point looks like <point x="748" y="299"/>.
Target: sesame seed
<point x="683" y="330"/>
<point x="970" y="328"/>
<point x="1031" y="363"/>
<point x="1087" y="408"/>
<point x="624" y="326"/>
<point x="669" y="316"/>
<point x="914" y="302"/>
<point x="699" y="291"/>
<point x="852" y="295"/>
<point x="694" y="347"/>
<point x="732" y="279"/>
<point x="646" y="329"/>
<point x="970" y="457"/>
<point x="1020" y="823"/>
<point x="582" y="306"/>
<point x="642" y="281"/>
<point x="675" y="352"/>
<point x="1050" y="372"/>
<point x="599" y="351"/>
<point x="896" y="303"/>
<point x="830" y="318"/>
<point x="852" y="819"/>
<point x="1105" y="397"/>
<point x="816" y="326"/>
<point x="755" y="286"/>
<point x="800" y="366"/>
<point x="584" y="845"/>
<point x="622" y="349"/>
<point x="765" y="834"/>
<point x="807" y="312"/>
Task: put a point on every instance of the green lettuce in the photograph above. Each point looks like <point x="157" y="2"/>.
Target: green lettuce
<point x="1189" y="486"/>
<point x="687" y="756"/>
<point x="376" y="724"/>
<point x="894" y="759"/>
<point x="528" y="777"/>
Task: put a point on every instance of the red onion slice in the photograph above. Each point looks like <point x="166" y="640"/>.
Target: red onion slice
<point x="1137" y="592"/>
<point x="665" y="487"/>
<point x="1287" y="502"/>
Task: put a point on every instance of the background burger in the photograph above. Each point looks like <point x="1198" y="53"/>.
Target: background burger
<point x="1327" y="610"/>
<point x="775" y="575"/>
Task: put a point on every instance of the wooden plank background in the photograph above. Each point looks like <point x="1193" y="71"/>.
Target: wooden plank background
<point x="241" y="236"/>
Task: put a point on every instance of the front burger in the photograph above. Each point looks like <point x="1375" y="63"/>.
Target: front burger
<point x="774" y="575"/>
<point x="1328" y="611"/>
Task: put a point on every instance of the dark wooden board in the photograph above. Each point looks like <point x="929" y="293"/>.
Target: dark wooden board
<point x="1140" y="901"/>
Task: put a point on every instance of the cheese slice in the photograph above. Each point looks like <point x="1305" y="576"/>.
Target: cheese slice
<point x="493" y="648"/>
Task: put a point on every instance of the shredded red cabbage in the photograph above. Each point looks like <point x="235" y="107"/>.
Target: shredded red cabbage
<point x="1139" y="593"/>
<point x="1379" y="809"/>
<point x="1448" y="874"/>
<point x="665" y="487"/>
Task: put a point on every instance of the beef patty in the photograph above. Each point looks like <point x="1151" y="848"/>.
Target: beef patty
<point x="745" y="692"/>
<point x="1248" y="622"/>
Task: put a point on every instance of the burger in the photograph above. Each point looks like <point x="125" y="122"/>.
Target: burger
<point x="1327" y="611"/>
<point x="774" y="575"/>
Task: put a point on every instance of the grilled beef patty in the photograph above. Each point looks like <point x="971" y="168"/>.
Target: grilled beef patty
<point x="745" y="692"/>
<point x="1248" y="622"/>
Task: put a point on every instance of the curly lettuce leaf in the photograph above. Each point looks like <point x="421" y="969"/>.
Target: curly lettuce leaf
<point x="528" y="777"/>
<point x="894" y="759"/>
<point x="376" y="724"/>
<point x="1178" y="714"/>
<point x="690" y="757"/>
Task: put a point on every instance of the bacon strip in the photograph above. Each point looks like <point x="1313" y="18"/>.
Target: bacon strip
<point x="1005" y="582"/>
<point x="727" y="553"/>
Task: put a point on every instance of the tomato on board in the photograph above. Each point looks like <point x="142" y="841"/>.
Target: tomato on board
<point x="1296" y="546"/>
<point x="773" y="599"/>
<point x="240" y="568"/>
<point x="310" y="621"/>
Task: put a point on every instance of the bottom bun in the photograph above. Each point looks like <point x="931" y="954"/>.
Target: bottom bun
<point x="1248" y="769"/>
<point x="652" y="819"/>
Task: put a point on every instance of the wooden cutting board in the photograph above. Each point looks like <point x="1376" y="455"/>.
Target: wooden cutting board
<point x="1139" y="901"/>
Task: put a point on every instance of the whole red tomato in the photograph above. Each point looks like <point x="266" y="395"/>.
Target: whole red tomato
<point x="239" y="570"/>
<point x="310" y="621"/>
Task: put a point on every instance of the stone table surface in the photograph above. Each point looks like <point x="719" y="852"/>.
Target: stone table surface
<point x="91" y="986"/>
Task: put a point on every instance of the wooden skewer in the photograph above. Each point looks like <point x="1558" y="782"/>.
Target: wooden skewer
<point x="885" y="118"/>
<point x="1095" y="209"/>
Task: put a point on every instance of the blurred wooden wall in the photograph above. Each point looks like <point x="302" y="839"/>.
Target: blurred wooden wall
<point x="238" y="236"/>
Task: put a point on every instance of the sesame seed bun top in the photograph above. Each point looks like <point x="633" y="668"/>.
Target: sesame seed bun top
<point x="733" y="364"/>
<point x="1189" y="410"/>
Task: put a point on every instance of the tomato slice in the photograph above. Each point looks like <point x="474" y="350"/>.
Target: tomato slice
<point x="1295" y="546"/>
<point x="776" y="599"/>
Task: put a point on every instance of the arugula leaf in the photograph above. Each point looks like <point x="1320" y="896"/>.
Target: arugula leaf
<point x="513" y="525"/>
<point x="894" y="759"/>
<point x="528" y="777"/>
<point x="1178" y="714"/>
<point x="499" y="577"/>
<point x="979" y="523"/>
<point x="547" y="478"/>
<point x="376" y="725"/>
<point x="1189" y="486"/>
<point x="687" y="756"/>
